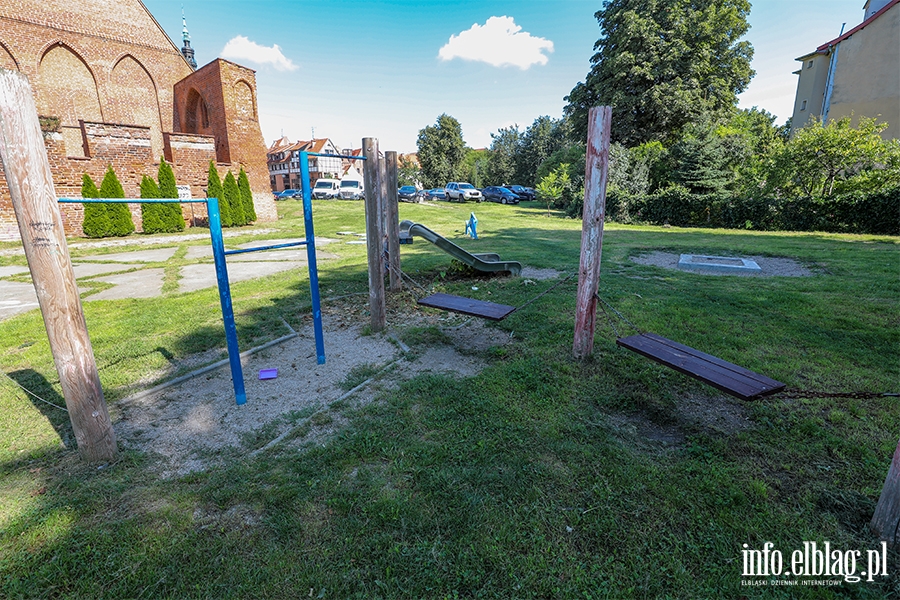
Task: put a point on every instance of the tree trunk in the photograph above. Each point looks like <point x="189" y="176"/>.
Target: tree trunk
<point x="886" y="520"/>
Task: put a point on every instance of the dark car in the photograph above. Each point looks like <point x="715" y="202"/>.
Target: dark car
<point x="495" y="193"/>
<point x="435" y="194"/>
<point x="524" y="193"/>
<point x="288" y="194"/>
<point x="408" y="193"/>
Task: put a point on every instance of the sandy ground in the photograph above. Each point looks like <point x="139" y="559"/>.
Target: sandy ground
<point x="770" y="266"/>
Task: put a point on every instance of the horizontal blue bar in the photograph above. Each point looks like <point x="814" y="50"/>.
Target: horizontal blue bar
<point x="260" y="249"/>
<point x="130" y="200"/>
<point x="336" y="156"/>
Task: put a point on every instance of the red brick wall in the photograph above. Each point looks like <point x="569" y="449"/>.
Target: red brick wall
<point x="108" y="63"/>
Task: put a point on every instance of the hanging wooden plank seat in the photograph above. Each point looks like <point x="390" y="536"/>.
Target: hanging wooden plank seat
<point x="729" y="378"/>
<point x="468" y="306"/>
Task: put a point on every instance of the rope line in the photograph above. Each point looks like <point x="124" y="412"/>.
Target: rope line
<point x="27" y="391"/>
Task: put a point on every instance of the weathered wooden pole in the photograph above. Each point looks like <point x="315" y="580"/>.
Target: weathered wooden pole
<point x="374" y="233"/>
<point x="886" y="520"/>
<point x="40" y="225"/>
<point x="392" y="220"/>
<point x="595" y="176"/>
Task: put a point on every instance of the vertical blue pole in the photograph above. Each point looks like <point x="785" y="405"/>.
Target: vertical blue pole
<point x="218" y="247"/>
<point x="311" y="257"/>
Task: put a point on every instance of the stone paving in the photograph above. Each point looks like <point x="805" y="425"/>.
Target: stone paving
<point x="140" y="273"/>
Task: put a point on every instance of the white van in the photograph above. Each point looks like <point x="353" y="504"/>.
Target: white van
<point x="326" y="188"/>
<point x="352" y="189"/>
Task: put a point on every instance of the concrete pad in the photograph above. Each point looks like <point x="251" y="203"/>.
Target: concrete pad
<point x="717" y="263"/>
<point x="195" y="252"/>
<point x="7" y="271"/>
<point x="198" y="277"/>
<point x="91" y="269"/>
<point x="156" y="255"/>
<point x="16" y="298"/>
<point x="298" y="254"/>
<point x="139" y="284"/>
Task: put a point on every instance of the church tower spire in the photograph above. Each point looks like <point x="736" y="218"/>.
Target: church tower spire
<point x="186" y="49"/>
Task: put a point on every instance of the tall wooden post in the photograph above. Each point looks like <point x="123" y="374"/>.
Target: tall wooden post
<point x="886" y="520"/>
<point x="374" y="233"/>
<point x="392" y="220"/>
<point x="595" y="175"/>
<point x="40" y="225"/>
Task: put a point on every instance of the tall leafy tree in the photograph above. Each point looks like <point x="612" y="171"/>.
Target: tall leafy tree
<point x="505" y="148"/>
<point x="542" y="138"/>
<point x="233" y="199"/>
<point x="661" y="63"/>
<point x="700" y="160"/>
<point x="475" y="166"/>
<point x="408" y="172"/>
<point x="246" y="196"/>
<point x="119" y="215"/>
<point x="214" y="190"/>
<point x="171" y="213"/>
<point x="96" y="217"/>
<point x="441" y="151"/>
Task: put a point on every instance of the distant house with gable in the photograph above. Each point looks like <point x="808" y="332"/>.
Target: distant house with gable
<point x="856" y="73"/>
<point x="283" y="158"/>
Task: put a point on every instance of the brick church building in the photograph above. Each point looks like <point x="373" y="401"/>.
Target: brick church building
<point x="112" y="89"/>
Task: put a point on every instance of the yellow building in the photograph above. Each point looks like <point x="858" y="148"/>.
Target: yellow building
<point x="856" y="73"/>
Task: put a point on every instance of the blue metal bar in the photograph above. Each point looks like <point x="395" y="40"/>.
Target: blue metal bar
<point x="311" y="257"/>
<point x="129" y="200"/>
<point x="261" y="248"/>
<point x="334" y="155"/>
<point x="218" y="247"/>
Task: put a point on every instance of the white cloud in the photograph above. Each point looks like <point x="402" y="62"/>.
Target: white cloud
<point x="240" y="48"/>
<point x="500" y="43"/>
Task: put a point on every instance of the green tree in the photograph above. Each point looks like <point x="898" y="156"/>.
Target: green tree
<point x="233" y="200"/>
<point x="247" y="196"/>
<point x="700" y="161"/>
<point x="441" y="151"/>
<point x="555" y="188"/>
<point x="820" y="158"/>
<point x="572" y="156"/>
<point x="152" y="214"/>
<point x="96" y="217"/>
<point x="214" y="190"/>
<point x="173" y="218"/>
<point x="628" y="171"/>
<point x="662" y="63"/>
<point x="750" y="139"/>
<point x="475" y="167"/>
<point x="542" y="138"/>
<point x="119" y="215"/>
<point x="408" y="172"/>
<point x="504" y="151"/>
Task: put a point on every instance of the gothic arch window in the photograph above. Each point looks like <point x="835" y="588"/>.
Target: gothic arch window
<point x="245" y="102"/>
<point x="67" y="88"/>
<point x="7" y="60"/>
<point x="133" y="99"/>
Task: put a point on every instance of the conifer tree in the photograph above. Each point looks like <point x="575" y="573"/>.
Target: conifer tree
<point x="172" y="216"/>
<point x="151" y="215"/>
<point x="233" y="199"/>
<point x="96" y="219"/>
<point x="119" y="215"/>
<point x="214" y="190"/>
<point x="247" y="196"/>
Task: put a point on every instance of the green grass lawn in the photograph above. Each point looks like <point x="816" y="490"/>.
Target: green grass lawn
<point x="540" y="477"/>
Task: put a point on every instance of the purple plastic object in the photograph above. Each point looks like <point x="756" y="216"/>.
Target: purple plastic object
<point x="268" y="373"/>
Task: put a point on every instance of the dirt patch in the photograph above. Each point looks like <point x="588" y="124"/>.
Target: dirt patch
<point x="539" y="274"/>
<point x="769" y="266"/>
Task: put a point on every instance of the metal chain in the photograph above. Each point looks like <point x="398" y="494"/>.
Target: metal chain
<point x="618" y="314"/>
<point x="27" y="391"/>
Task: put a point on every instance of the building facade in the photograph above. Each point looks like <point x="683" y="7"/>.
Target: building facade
<point x="283" y="158"/>
<point x="112" y="89"/>
<point x="857" y="73"/>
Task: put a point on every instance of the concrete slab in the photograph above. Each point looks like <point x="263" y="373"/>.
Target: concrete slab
<point x="91" y="269"/>
<point x="155" y="255"/>
<point x="146" y="283"/>
<point x="14" y="270"/>
<point x="297" y="254"/>
<point x="195" y="252"/>
<point x="198" y="277"/>
<point x="320" y="241"/>
<point x="16" y="298"/>
<point x="717" y="263"/>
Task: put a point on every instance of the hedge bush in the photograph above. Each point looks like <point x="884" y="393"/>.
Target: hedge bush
<point x="247" y="196"/>
<point x="96" y="220"/>
<point x="214" y="190"/>
<point x="233" y="200"/>
<point x="855" y="212"/>
<point x="173" y="219"/>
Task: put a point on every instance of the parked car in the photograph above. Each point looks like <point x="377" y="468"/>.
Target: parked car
<point x="408" y="193"/>
<point x="284" y="195"/>
<point x="524" y="193"/>
<point x="327" y="188"/>
<point x="495" y="193"/>
<point x="461" y="191"/>
<point x="352" y="189"/>
<point x="435" y="194"/>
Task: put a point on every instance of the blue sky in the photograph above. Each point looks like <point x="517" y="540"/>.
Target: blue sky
<point x="386" y="69"/>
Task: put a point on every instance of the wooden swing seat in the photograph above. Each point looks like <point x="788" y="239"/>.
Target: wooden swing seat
<point x="468" y="306"/>
<point x="729" y="378"/>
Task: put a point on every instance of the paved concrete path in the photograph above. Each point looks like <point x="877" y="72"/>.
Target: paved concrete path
<point x="140" y="273"/>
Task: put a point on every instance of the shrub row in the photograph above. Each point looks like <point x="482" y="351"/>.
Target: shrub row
<point x="856" y="212"/>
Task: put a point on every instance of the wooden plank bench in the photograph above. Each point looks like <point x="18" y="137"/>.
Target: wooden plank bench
<point x="725" y="376"/>
<point x="468" y="306"/>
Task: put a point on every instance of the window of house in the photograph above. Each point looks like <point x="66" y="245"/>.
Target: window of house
<point x="809" y="64"/>
<point x="803" y="105"/>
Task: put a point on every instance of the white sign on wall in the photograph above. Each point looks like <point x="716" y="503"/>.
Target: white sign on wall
<point x="184" y="192"/>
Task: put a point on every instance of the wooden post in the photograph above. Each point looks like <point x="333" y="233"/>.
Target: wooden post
<point x="374" y="233"/>
<point x="595" y="176"/>
<point x="886" y="520"/>
<point x="392" y="220"/>
<point x="40" y="225"/>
